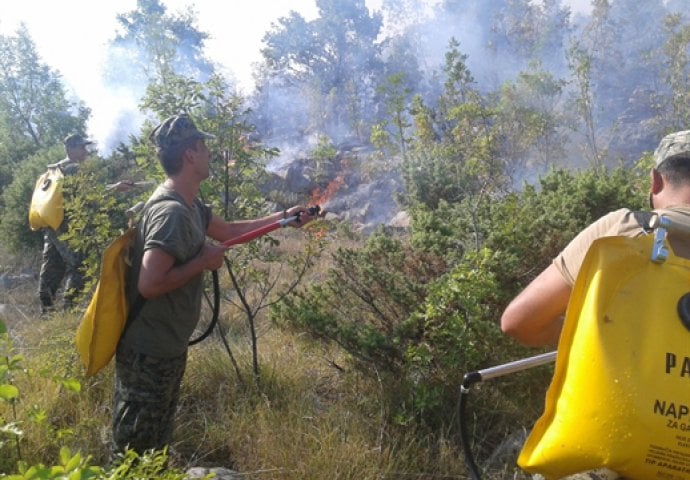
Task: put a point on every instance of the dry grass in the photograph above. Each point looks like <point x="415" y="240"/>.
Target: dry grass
<point x="18" y="297"/>
<point x="308" y="421"/>
<point x="312" y="417"/>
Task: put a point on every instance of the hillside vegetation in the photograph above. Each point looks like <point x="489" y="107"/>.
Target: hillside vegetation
<point x="358" y="370"/>
<point x="340" y="355"/>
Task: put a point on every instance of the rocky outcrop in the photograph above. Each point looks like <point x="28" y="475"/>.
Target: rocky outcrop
<point x="339" y="186"/>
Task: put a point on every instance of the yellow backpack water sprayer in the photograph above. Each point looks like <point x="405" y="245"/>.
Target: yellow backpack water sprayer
<point x="47" y="207"/>
<point x="620" y="394"/>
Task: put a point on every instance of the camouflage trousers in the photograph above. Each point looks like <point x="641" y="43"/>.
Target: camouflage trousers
<point x="59" y="262"/>
<point x="146" y="393"/>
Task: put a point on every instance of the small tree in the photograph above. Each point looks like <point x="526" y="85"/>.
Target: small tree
<point x="391" y="136"/>
<point x="674" y="106"/>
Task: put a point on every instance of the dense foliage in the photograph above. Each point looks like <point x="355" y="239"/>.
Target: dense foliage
<point x="426" y="312"/>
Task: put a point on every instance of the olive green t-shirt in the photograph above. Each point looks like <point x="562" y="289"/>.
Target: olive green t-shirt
<point x="621" y="222"/>
<point x="165" y="323"/>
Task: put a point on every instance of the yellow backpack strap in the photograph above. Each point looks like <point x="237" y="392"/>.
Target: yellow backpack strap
<point x="644" y="219"/>
<point x="132" y="214"/>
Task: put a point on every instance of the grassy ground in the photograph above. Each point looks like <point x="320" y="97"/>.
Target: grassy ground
<point x="312" y="417"/>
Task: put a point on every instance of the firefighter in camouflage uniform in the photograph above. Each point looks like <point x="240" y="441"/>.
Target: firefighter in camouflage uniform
<point x="169" y="255"/>
<point x="59" y="261"/>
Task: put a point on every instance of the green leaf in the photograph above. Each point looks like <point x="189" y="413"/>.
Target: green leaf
<point x="13" y="363"/>
<point x="56" y="472"/>
<point x="8" y="392"/>
<point x="71" y="384"/>
<point x="73" y="462"/>
<point x="64" y="432"/>
<point x="65" y="455"/>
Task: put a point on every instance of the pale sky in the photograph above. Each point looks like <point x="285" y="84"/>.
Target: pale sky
<point x="70" y="36"/>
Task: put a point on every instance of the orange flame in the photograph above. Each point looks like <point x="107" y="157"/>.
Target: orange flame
<point x="320" y="197"/>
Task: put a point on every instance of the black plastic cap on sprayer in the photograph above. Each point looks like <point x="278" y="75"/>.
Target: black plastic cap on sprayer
<point x="315" y="210"/>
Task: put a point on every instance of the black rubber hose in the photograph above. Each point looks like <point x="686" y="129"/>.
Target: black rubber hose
<point x="216" y="310"/>
<point x="469" y="379"/>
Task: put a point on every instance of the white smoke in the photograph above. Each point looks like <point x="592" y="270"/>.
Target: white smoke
<point x="115" y="116"/>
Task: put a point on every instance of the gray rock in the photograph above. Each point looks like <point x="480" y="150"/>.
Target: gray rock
<point x="220" y="473"/>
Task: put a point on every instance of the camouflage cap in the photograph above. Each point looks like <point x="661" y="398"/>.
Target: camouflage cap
<point x="671" y="145"/>
<point x="175" y="130"/>
<point x="75" y="140"/>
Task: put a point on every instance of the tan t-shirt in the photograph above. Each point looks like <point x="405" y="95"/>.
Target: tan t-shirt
<point x="621" y="222"/>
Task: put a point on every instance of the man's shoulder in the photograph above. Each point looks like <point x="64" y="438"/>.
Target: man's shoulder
<point x="66" y="166"/>
<point x="623" y="217"/>
<point x="621" y="222"/>
<point x="164" y="205"/>
<point x="164" y="197"/>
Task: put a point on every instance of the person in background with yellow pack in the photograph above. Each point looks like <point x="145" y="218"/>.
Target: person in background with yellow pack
<point x="169" y="255"/>
<point x="59" y="261"/>
<point x="535" y="316"/>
